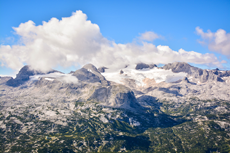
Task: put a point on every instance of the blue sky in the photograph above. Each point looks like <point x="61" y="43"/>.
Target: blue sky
<point x="124" y="22"/>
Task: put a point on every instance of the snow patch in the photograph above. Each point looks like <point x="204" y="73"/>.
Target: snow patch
<point x="50" y="113"/>
<point x="134" y="122"/>
<point x="89" y="70"/>
<point x="49" y="79"/>
<point x="103" y="119"/>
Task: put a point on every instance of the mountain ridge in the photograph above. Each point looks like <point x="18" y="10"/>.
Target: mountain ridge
<point x="197" y="82"/>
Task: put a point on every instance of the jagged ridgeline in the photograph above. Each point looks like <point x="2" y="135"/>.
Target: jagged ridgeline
<point x="141" y="108"/>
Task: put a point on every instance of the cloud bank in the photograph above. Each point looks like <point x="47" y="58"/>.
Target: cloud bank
<point x="75" y="40"/>
<point x="218" y="41"/>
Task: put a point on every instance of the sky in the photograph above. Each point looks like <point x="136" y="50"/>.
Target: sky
<point x="65" y="35"/>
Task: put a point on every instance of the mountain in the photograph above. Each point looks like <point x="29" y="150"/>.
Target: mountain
<point x="202" y="75"/>
<point x="174" y="108"/>
<point x="24" y="75"/>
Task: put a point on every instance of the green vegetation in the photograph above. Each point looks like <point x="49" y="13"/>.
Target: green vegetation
<point x="185" y="128"/>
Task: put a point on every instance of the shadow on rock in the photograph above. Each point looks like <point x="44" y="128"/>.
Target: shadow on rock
<point x="153" y="116"/>
<point x="172" y="91"/>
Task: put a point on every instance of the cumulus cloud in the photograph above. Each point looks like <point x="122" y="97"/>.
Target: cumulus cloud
<point x="150" y="36"/>
<point x="56" y="42"/>
<point x="218" y="41"/>
<point x="75" y="40"/>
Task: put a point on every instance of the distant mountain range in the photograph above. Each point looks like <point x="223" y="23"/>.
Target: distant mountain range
<point x="174" y="108"/>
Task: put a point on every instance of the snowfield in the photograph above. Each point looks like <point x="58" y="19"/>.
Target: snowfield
<point x="159" y="75"/>
<point x="67" y="78"/>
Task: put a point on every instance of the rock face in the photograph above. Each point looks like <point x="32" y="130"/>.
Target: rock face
<point x="225" y="74"/>
<point x="151" y="66"/>
<point x="115" y="96"/>
<point x="89" y="73"/>
<point x="24" y="75"/>
<point x="210" y="75"/>
<point x="140" y="66"/>
<point x="102" y="69"/>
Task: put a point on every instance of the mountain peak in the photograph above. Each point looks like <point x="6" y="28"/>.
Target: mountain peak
<point x="24" y="75"/>
<point x="140" y="66"/>
<point x="90" y="67"/>
<point x="90" y="73"/>
<point x="177" y="67"/>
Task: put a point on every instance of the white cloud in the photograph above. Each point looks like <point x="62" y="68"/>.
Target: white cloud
<point x="218" y="41"/>
<point x="68" y="78"/>
<point x="14" y="76"/>
<point x="56" y="42"/>
<point x="150" y="36"/>
<point x="75" y="40"/>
